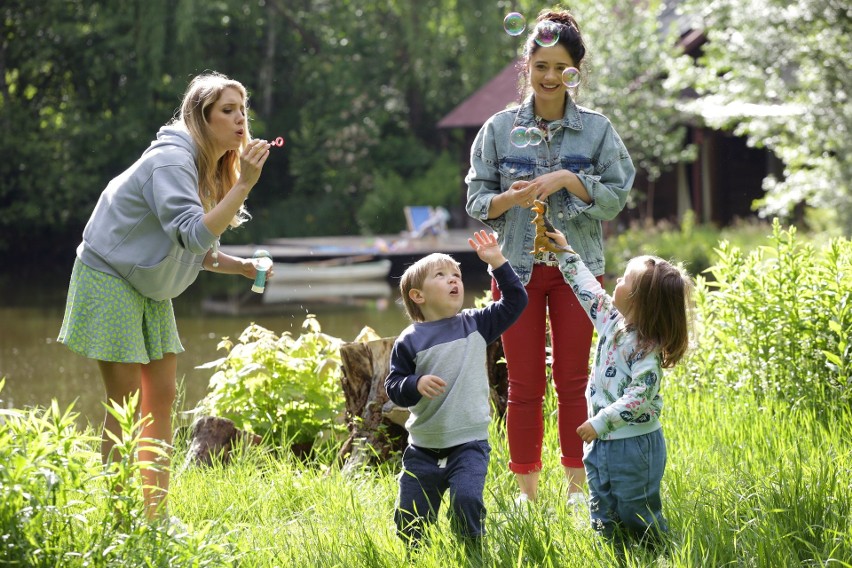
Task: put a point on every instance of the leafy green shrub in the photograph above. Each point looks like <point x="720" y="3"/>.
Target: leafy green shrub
<point x="44" y="467"/>
<point x="690" y="244"/>
<point x="777" y="321"/>
<point x="282" y="388"/>
<point x="382" y="210"/>
<point x="59" y="506"/>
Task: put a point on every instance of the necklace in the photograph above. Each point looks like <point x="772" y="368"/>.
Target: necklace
<point x="545" y="126"/>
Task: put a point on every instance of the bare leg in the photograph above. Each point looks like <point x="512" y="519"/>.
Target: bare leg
<point x="156" y="383"/>
<point x="576" y="477"/>
<point x="121" y="380"/>
<point x="528" y="483"/>
<point x="158" y="396"/>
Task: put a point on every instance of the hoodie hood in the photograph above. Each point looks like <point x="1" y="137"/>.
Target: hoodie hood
<point x="174" y="135"/>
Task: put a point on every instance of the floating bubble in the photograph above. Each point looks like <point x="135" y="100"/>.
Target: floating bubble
<point x="278" y="142"/>
<point x="571" y="77"/>
<point x="514" y="23"/>
<point x="535" y="135"/>
<point x="519" y="137"/>
<point x="547" y="33"/>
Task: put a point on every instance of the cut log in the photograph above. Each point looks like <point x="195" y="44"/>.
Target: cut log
<point x="371" y="436"/>
<point x="213" y="439"/>
<point x="498" y="378"/>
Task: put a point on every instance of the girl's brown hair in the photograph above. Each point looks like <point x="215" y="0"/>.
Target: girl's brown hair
<point x="570" y="38"/>
<point x="216" y="175"/>
<point x="660" y="308"/>
<point x="416" y="274"/>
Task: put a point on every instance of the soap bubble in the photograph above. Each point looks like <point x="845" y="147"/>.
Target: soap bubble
<point x="547" y="33"/>
<point x="514" y="23"/>
<point x="571" y="77"/>
<point x="519" y="137"/>
<point x="535" y="135"/>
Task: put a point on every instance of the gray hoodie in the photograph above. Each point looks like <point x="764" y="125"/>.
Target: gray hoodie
<point x="147" y="225"/>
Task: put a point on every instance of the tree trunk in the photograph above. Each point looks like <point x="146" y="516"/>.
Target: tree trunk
<point x="365" y="367"/>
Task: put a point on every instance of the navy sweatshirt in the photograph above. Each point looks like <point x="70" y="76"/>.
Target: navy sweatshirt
<point x="454" y="349"/>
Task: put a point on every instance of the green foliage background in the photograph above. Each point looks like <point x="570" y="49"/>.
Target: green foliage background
<point x="356" y="88"/>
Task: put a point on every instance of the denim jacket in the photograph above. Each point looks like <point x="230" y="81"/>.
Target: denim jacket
<point x="583" y="142"/>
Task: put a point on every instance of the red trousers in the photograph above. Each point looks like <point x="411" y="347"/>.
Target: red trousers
<point x="524" y="346"/>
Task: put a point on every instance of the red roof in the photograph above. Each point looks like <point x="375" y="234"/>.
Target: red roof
<point x="499" y="93"/>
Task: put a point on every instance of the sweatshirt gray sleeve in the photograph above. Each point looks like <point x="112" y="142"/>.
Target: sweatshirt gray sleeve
<point x="174" y="198"/>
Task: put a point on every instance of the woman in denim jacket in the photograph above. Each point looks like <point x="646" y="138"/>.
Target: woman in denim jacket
<point x="583" y="172"/>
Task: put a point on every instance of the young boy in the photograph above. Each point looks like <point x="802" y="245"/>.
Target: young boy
<point x="437" y="369"/>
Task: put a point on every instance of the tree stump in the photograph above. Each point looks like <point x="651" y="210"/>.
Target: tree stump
<point x="376" y="425"/>
<point x="371" y="436"/>
<point x="214" y="438"/>
<point x="498" y="378"/>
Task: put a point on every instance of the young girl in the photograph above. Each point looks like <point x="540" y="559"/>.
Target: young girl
<point x="642" y="329"/>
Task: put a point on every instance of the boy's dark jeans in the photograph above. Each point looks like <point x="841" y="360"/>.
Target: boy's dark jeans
<point x="427" y="474"/>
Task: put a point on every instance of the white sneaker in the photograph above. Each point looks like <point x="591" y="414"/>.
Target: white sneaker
<point x="522" y="499"/>
<point x="578" y="502"/>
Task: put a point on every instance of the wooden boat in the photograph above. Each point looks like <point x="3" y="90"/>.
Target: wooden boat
<point x="284" y="292"/>
<point x="337" y="280"/>
<point x="329" y="272"/>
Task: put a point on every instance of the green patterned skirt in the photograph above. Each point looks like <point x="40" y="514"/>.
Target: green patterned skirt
<point x="108" y="320"/>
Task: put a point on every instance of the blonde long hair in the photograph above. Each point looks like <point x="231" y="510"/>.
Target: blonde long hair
<point x="216" y="176"/>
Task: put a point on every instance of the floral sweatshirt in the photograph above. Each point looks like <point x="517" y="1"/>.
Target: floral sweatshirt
<point x="623" y="394"/>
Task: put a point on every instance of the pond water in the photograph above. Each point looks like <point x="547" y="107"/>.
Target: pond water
<point x="38" y="370"/>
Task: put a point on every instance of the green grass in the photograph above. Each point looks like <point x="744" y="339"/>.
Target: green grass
<point x="746" y="485"/>
<point x="759" y="472"/>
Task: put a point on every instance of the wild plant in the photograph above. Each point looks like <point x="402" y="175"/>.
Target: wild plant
<point x="59" y="506"/>
<point x="283" y="388"/>
<point x="777" y="322"/>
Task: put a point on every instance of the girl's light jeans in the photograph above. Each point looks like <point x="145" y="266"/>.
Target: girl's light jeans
<point x="624" y="479"/>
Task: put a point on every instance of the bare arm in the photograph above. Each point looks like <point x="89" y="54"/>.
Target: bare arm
<point x="252" y="159"/>
<point x="546" y="185"/>
<point x="521" y="193"/>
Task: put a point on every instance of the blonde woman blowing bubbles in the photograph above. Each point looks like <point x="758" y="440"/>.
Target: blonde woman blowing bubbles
<point x="154" y="228"/>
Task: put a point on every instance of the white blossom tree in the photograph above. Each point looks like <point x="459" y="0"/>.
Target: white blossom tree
<point x="777" y="72"/>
